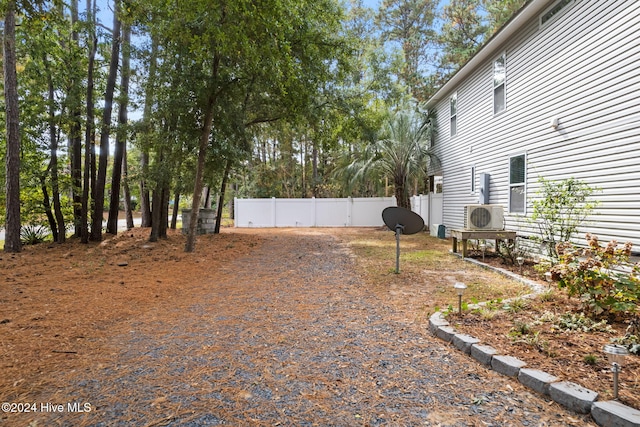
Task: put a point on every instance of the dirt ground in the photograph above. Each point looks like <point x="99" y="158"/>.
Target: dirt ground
<point x="257" y="327"/>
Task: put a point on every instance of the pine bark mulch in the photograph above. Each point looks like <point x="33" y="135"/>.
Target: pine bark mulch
<point x="257" y="327"/>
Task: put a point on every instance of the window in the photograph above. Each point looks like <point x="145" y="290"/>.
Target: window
<point x="499" y="86"/>
<point x="453" y="104"/>
<point x="517" y="184"/>
<point x="473" y="179"/>
<point x="554" y="11"/>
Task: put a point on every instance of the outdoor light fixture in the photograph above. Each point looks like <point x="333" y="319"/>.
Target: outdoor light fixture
<point x="460" y="287"/>
<point x="520" y="261"/>
<point x="483" y="248"/>
<point x="616" y="354"/>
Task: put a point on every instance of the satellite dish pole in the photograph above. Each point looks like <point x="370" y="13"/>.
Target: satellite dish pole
<point x="401" y="221"/>
<point x="399" y="228"/>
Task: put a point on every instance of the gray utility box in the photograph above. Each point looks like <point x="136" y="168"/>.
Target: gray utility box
<point x="206" y="221"/>
<point x="483" y="198"/>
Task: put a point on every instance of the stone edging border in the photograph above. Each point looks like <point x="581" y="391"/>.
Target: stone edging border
<point x="568" y="394"/>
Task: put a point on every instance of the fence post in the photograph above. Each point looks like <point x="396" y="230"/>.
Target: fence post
<point x="349" y="211"/>
<point x="273" y="211"/>
<point x="315" y="212"/>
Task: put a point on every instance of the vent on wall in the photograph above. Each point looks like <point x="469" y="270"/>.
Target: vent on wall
<point x="483" y="217"/>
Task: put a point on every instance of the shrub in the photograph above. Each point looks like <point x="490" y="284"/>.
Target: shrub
<point x="599" y="276"/>
<point x="562" y="207"/>
<point x="32" y="234"/>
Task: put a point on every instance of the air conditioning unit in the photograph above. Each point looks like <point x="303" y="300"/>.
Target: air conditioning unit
<point x="483" y="217"/>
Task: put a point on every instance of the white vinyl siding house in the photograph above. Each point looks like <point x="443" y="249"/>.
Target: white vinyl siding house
<point x="571" y="109"/>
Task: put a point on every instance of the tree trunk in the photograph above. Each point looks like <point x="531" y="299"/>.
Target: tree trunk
<point x="207" y="197"/>
<point x="53" y="161"/>
<point x="98" y="209"/>
<point x="164" y="218"/>
<point x="145" y="201"/>
<point x="156" y="213"/>
<point x="402" y="197"/>
<point x="190" y="245"/>
<point x="75" y="137"/>
<point x="47" y="208"/>
<point x="12" y="241"/>
<point x="90" y="130"/>
<point x="314" y="154"/>
<point x="121" y="135"/>
<point x="223" y="187"/>
<point x="176" y="210"/>
<point x="125" y="188"/>
<point x="232" y="205"/>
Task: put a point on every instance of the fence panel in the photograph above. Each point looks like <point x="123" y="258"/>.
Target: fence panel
<point x="349" y="212"/>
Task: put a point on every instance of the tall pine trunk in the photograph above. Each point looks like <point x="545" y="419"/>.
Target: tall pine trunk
<point x="12" y="117"/>
<point x="145" y="201"/>
<point x="53" y="160"/>
<point x="128" y="212"/>
<point x="75" y="137"/>
<point x="101" y="179"/>
<point x="176" y="210"/>
<point x="90" y="129"/>
<point x="121" y="135"/>
<point x="197" y="190"/>
<point x="46" y="203"/>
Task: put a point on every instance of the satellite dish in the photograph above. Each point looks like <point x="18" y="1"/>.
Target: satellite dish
<point x="402" y="221"/>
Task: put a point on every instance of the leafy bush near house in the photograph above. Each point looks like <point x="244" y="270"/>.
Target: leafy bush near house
<point x="601" y="276"/>
<point x="561" y="207"/>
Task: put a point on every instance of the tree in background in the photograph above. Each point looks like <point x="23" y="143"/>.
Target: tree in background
<point x="274" y="118"/>
<point x="410" y="24"/>
<point x="499" y="12"/>
<point x="462" y="33"/>
<point x="402" y="154"/>
<point x="467" y="25"/>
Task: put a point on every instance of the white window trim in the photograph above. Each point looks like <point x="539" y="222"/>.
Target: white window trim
<point x="524" y="212"/>
<point x="473" y="179"/>
<point x="504" y="83"/>
<point x="451" y="116"/>
<point x="561" y="12"/>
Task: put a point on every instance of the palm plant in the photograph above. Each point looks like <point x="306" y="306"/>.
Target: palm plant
<point x="402" y="154"/>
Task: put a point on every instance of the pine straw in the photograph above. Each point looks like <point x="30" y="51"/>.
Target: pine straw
<point x="257" y="328"/>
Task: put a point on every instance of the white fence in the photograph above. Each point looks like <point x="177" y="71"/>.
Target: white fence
<point x="349" y="212"/>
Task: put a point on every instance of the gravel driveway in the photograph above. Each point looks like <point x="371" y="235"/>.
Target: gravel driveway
<point x="290" y="336"/>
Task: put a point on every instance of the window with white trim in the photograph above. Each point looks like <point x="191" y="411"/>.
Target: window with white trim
<point x="554" y="11"/>
<point x="517" y="183"/>
<point x="499" y="84"/>
<point x="453" y="105"/>
<point x="473" y="179"/>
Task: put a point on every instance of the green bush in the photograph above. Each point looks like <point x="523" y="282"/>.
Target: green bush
<point x="601" y="276"/>
<point x="33" y="234"/>
<point x="561" y="207"/>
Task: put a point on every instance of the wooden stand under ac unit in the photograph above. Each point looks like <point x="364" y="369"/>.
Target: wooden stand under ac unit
<point x="465" y="235"/>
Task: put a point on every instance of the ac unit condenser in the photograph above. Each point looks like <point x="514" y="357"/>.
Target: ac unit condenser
<point x="483" y="217"/>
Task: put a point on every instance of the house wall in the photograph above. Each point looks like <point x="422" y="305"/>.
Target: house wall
<point x="582" y="69"/>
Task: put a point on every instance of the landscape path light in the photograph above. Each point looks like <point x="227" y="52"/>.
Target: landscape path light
<point x="547" y="277"/>
<point x="460" y="287"/>
<point x="483" y="248"/>
<point x="616" y="354"/>
<point x="520" y="261"/>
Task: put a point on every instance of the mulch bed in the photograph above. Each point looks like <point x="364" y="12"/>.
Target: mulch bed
<point x="257" y="327"/>
<point x="571" y="355"/>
